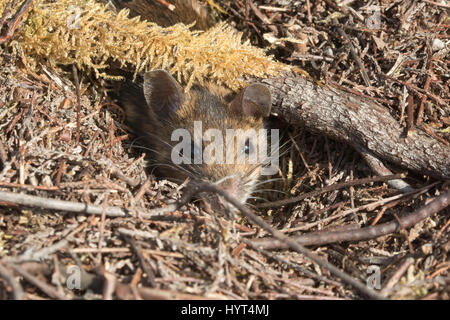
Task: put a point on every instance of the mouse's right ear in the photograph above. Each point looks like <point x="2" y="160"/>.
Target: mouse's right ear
<point x="162" y="93"/>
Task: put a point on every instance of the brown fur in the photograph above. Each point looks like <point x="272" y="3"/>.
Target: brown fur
<point x="186" y="11"/>
<point x="153" y="119"/>
<point x="158" y="107"/>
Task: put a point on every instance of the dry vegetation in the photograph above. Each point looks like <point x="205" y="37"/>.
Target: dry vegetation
<point x="91" y="36"/>
<point x="193" y="252"/>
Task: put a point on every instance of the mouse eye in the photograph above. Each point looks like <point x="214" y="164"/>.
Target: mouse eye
<point x="248" y="147"/>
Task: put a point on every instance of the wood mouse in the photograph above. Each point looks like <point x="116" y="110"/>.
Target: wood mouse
<point x="159" y="106"/>
<point x="183" y="11"/>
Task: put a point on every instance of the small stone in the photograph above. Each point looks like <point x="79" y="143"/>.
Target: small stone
<point x="427" y="248"/>
<point x="437" y="45"/>
<point x="81" y="218"/>
<point x="328" y="52"/>
<point x="23" y="220"/>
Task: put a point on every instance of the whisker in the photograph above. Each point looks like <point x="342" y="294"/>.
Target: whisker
<point x="192" y="166"/>
<point x="268" y="181"/>
<point x="250" y="205"/>
<point x="188" y="168"/>
<point x="269" y="190"/>
<point x="254" y="198"/>
<point x="175" y="167"/>
<point x="225" y="178"/>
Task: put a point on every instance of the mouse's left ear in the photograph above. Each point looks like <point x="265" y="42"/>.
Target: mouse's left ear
<point x="162" y="93"/>
<point x="254" y="101"/>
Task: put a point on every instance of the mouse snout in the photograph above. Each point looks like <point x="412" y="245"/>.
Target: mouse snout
<point x="231" y="186"/>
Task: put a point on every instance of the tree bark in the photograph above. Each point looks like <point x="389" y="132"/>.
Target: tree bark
<point x="362" y="123"/>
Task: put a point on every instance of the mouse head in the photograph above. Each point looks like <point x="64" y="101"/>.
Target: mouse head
<point x="205" y="134"/>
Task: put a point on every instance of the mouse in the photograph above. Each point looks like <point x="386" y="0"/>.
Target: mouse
<point x="157" y="106"/>
<point x="165" y="14"/>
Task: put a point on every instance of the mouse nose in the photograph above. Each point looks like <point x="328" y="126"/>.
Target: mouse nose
<point x="232" y="186"/>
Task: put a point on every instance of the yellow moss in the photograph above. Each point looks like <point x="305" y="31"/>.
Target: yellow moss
<point x="90" y="35"/>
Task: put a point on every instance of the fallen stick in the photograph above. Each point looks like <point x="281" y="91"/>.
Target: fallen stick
<point x="289" y="242"/>
<point x="15" y="21"/>
<point x="78" y="207"/>
<point x="17" y="289"/>
<point x="328" y="189"/>
<point x="320" y="238"/>
<point x="360" y="122"/>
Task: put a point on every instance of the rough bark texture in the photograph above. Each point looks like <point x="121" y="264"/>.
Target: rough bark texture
<point x="361" y="123"/>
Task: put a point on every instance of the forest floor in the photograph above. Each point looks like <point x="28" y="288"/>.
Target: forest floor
<point x="126" y="247"/>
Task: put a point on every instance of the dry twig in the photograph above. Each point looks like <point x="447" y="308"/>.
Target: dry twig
<point x="15" y="21"/>
<point x="373" y="232"/>
<point x="330" y="188"/>
<point x="294" y="245"/>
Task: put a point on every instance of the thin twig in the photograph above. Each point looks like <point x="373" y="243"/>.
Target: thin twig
<point x="145" y="266"/>
<point x="330" y="188"/>
<point x="77" y="91"/>
<point x="414" y="88"/>
<point x="427" y="84"/>
<point x="320" y="238"/>
<point x="355" y="55"/>
<point x="289" y="242"/>
<point x="47" y="289"/>
<point x="125" y="292"/>
<point x="40" y="255"/>
<point x="3" y="156"/>
<point x="102" y="230"/>
<point x="403" y="231"/>
<point x="396" y="276"/>
<point x="77" y="207"/>
<point x="262" y="17"/>
<point x="6" y="12"/>
<point x="437" y="4"/>
<point x="15" y="21"/>
<point x="410" y="115"/>
<point x="15" y="285"/>
<point x="308" y="9"/>
<point x="142" y="189"/>
<point x="64" y="206"/>
<point x="379" y="168"/>
<point x="130" y="181"/>
<point x="284" y="262"/>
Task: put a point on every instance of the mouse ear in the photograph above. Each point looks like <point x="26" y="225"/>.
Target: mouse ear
<point x="162" y="93"/>
<point x="254" y="101"/>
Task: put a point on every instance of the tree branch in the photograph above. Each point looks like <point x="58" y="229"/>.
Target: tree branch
<point x="289" y="242"/>
<point x="359" y="122"/>
<point x="320" y="238"/>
